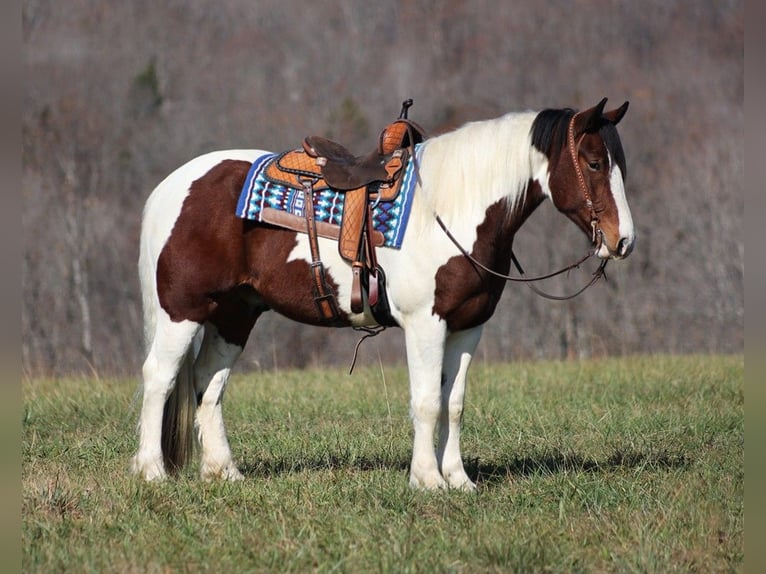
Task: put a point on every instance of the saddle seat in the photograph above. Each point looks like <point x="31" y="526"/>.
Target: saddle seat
<point x="344" y="171"/>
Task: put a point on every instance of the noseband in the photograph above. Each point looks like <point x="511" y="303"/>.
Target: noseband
<point x="596" y="238"/>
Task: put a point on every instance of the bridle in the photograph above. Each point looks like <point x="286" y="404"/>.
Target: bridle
<point x="574" y="154"/>
<point x="596" y="239"/>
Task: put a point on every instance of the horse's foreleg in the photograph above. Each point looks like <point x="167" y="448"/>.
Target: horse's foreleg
<point x="458" y="352"/>
<point x="425" y="349"/>
<point x="211" y="374"/>
<point x="169" y="348"/>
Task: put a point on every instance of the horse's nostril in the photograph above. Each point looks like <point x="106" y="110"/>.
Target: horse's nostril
<point x="623" y="246"/>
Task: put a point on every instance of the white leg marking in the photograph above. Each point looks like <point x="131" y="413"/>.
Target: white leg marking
<point x="211" y="374"/>
<point x="167" y="341"/>
<point x="425" y="335"/>
<point x="169" y="346"/>
<point x="457" y="358"/>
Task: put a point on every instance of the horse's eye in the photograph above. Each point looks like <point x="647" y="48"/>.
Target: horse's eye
<point x="595" y="165"/>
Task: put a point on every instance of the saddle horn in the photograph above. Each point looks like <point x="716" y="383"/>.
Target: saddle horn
<point x="406" y="105"/>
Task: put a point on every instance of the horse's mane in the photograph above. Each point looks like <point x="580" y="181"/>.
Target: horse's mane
<point x="549" y="132"/>
<point x="477" y="164"/>
<point x="612" y="142"/>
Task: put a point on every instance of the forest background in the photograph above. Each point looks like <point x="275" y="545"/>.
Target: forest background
<point x="118" y="94"/>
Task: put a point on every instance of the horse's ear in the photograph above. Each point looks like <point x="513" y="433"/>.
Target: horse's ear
<point x="588" y="121"/>
<point x="616" y="115"/>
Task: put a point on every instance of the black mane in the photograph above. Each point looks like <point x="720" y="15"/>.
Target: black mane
<point x="550" y="129"/>
<point x="549" y="132"/>
<point x="608" y="133"/>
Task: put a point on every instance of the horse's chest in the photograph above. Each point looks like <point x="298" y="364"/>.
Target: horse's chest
<point x="463" y="297"/>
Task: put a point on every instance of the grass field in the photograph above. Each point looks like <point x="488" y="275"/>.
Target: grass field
<point x="619" y="465"/>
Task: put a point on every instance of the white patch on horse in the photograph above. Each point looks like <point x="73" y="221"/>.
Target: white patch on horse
<point x="490" y="160"/>
<point x="617" y="185"/>
<point x="212" y="367"/>
<point x="168" y="361"/>
<point x="540" y="167"/>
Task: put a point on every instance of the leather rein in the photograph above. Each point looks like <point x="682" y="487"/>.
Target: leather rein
<point x="596" y="239"/>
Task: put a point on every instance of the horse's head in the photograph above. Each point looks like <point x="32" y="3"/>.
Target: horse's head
<point x="586" y="172"/>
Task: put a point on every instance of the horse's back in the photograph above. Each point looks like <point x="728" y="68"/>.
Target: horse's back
<point x="172" y="190"/>
<point x="163" y="206"/>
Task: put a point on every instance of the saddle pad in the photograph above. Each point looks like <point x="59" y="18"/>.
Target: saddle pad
<point x="389" y="217"/>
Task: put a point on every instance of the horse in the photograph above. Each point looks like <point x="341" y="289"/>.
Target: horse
<point x="207" y="275"/>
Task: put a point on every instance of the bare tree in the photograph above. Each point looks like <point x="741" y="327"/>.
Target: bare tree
<point x="119" y="94"/>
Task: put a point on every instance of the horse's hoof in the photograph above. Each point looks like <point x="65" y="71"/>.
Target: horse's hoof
<point x="428" y="483"/>
<point x="233" y="474"/>
<point x="228" y="472"/>
<point x="460" y="481"/>
<point x="466" y="485"/>
<point x="151" y="471"/>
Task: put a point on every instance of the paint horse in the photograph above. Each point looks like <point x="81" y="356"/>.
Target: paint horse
<point x="207" y="275"/>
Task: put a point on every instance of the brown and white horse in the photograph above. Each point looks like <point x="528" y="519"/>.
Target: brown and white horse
<point x="207" y="275"/>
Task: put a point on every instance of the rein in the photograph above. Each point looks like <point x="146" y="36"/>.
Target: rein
<point x="596" y="238"/>
<point x="600" y="272"/>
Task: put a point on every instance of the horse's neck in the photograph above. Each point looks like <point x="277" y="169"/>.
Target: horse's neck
<point x="480" y="165"/>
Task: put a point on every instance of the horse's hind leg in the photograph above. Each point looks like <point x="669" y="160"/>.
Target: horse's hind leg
<point x="458" y="352"/>
<point x="211" y="374"/>
<point x="170" y="348"/>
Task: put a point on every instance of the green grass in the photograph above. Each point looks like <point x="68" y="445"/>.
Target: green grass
<point x="624" y="465"/>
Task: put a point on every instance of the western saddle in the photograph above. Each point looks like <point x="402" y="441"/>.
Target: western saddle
<point x="364" y="180"/>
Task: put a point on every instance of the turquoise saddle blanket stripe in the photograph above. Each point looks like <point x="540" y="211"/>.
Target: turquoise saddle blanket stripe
<point x="389" y="217"/>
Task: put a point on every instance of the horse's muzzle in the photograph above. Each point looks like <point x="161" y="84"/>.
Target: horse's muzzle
<point x="623" y="248"/>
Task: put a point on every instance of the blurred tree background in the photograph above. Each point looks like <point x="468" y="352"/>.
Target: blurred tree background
<point x="118" y="94"/>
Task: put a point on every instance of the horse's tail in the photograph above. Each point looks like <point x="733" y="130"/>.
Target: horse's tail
<point x="178" y="413"/>
<point x="178" y="417"/>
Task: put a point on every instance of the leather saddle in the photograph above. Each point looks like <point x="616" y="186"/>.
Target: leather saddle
<point x="344" y="171"/>
<point x="324" y="164"/>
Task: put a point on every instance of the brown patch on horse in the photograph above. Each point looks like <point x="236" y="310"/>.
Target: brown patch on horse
<point x="220" y="268"/>
<point x="566" y="192"/>
<point x="466" y="296"/>
<point x="286" y="287"/>
<point x="593" y="148"/>
<point x="203" y="255"/>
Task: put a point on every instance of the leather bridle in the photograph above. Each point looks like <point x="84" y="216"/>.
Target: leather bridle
<point x="574" y="155"/>
<point x="596" y="239"/>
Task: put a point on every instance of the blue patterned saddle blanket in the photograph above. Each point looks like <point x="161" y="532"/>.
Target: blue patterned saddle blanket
<point x="389" y="218"/>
